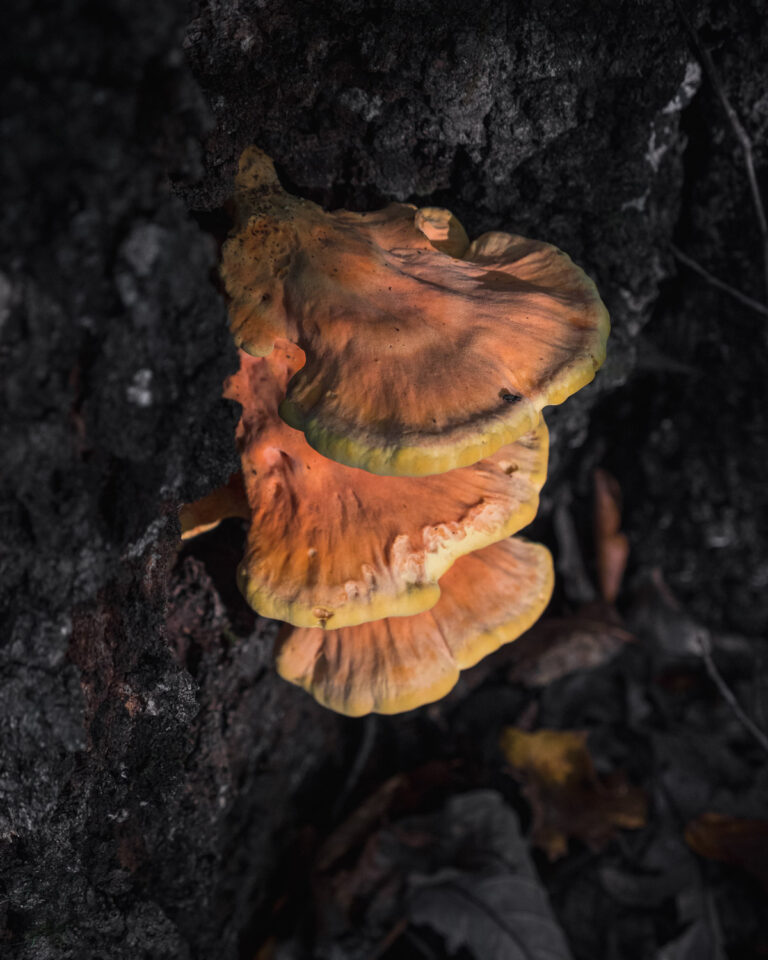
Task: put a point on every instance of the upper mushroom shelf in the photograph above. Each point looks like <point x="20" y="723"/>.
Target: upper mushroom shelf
<point x="423" y="354"/>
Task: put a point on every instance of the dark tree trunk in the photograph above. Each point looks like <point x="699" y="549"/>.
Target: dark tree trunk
<point x="150" y="760"/>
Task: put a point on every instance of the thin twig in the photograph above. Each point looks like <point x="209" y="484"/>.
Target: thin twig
<point x="391" y="937"/>
<point x="421" y="944"/>
<point x="720" y="284"/>
<point x="361" y="758"/>
<point x="711" y="916"/>
<point x="741" y="135"/>
<point x="725" y="691"/>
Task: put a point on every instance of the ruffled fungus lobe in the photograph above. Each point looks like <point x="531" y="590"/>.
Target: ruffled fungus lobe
<point x="221" y="504"/>
<point x="443" y="230"/>
<point x="330" y="545"/>
<point x="391" y="382"/>
<point x="418" y="362"/>
<point x="488" y="599"/>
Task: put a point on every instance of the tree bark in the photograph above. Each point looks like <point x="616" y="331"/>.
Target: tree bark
<point x="149" y="758"/>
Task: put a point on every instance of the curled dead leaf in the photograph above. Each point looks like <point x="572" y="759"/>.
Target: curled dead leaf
<point x="739" y="842"/>
<point x="557" y="647"/>
<point x="611" y="545"/>
<point x="568" y="797"/>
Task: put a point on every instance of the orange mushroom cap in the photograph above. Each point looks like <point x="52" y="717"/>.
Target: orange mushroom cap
<point x="443" y="230"/>
<point x="488" y="598"/>
<point x="207" y="513"/>
<point x="334" y="546"/>
<point x="417" y="362"/>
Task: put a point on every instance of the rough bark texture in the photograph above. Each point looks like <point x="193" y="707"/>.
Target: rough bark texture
<point x="148" y="756"/>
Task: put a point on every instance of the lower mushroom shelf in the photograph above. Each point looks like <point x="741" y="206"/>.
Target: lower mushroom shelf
<point x="488" y="598"/>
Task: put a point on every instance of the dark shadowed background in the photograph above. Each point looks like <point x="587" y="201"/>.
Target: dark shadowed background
<point x="162" y="793"/>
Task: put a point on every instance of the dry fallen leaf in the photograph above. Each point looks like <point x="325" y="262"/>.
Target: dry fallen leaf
<point x="554" y="648"/>
<point x="568" y="798"/>
<point x="360" y="824"/>
<point x="739" y="842"/>
<point x="611" y="545"/>
<point x="462" y="870"/>
<point x="480" y="891"/>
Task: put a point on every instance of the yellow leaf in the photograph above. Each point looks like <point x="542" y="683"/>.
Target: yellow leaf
<point x="567" y="796"/>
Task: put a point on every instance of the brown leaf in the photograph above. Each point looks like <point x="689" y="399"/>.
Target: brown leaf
<point x="554" y="648"/>
<point x="267" y="949"/>
<point x="738" y="842"/>
<point x="611" y="545"/>
<point x="566" y="794"/>
<point x="490" y="904"/>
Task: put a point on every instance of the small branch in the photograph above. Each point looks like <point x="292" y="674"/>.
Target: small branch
<point x="720" y="284"/>
<point x="421" y="944"/>
<point x="392" y="937"/>
<point x="741" y="135"/>
<point x="361" y="758"/>
<point x="711" y="916"/>
<point x="725" y="691"/>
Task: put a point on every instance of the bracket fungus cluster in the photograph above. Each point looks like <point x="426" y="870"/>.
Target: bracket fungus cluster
<point x="392" y="376"/>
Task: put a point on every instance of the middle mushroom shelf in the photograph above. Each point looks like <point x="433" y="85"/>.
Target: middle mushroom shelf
<point x="393" y="583"/>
